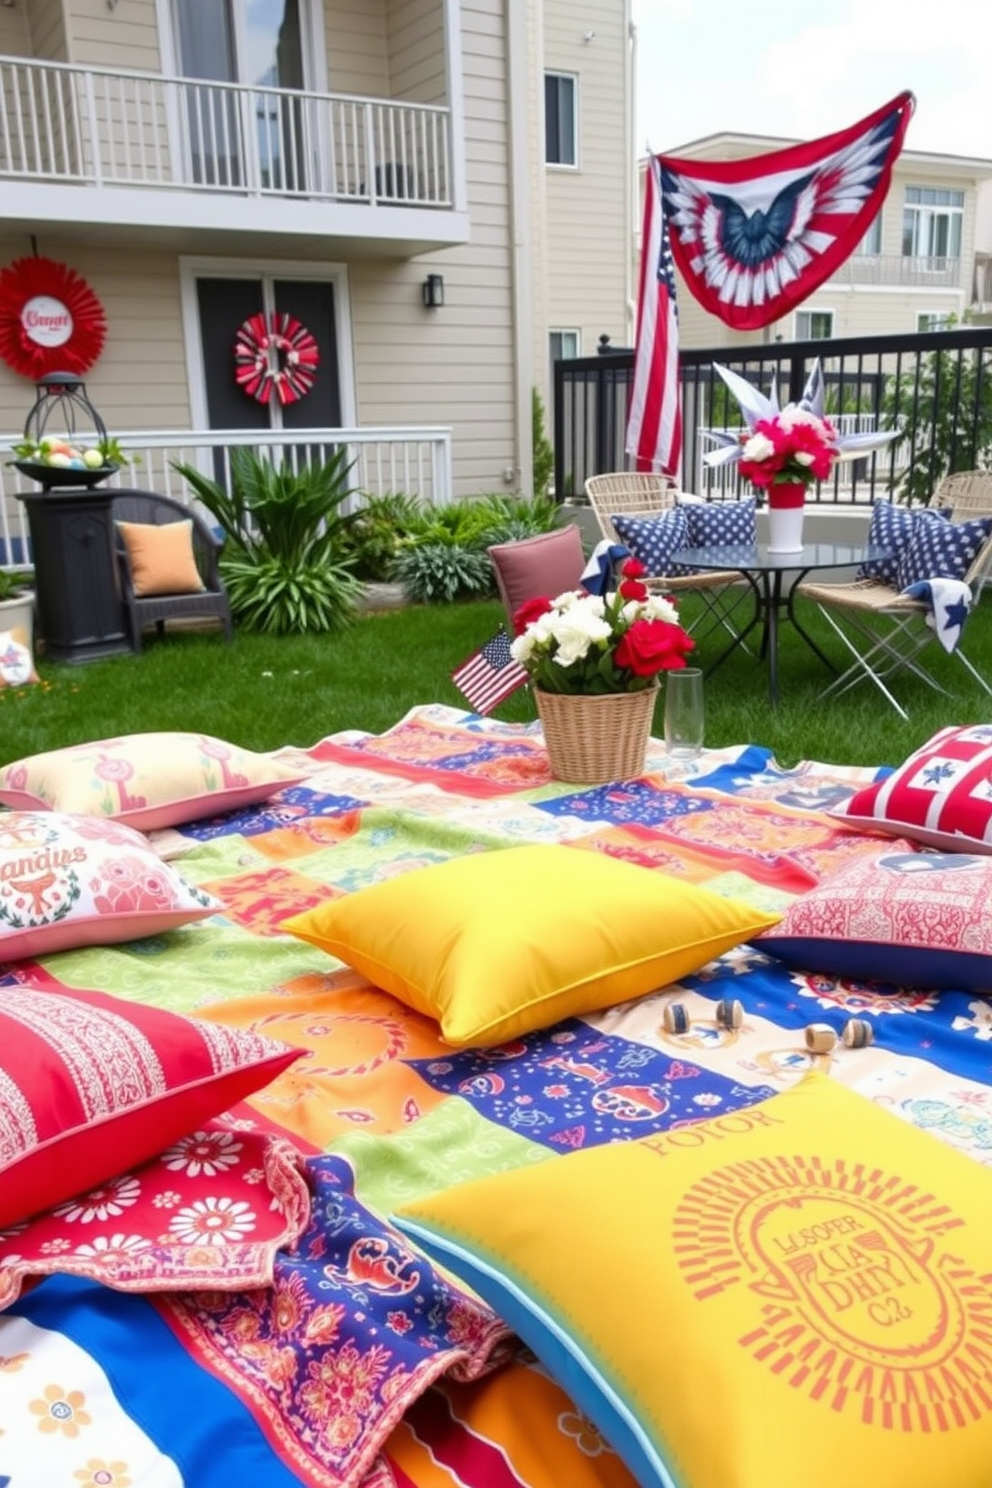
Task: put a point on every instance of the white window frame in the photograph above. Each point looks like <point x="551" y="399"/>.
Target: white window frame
<point x="925" y="215"/>
<point x="933" y="320"/>
<point x="810" y="314"/>
<point x="562" y="332"/>
<point x="572" y="78"/>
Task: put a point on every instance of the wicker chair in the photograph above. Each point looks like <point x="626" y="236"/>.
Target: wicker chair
<point x="211" y="602"/>
<point x="966" y="493"/>
<point x="632" y="493"/>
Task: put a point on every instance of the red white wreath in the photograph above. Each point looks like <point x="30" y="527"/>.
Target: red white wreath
<point x="275" y="356"/>
<point x="50" y="319"/>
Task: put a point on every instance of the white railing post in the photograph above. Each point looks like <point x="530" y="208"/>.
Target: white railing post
<point x="92" y="124"/>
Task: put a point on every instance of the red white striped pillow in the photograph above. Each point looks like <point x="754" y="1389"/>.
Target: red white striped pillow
<point x="941" y="796"/>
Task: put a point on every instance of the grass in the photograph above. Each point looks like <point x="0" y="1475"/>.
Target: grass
<point x="263" y="692"/>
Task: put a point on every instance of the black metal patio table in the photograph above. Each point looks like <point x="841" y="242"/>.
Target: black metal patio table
<point x="765" y="571"/>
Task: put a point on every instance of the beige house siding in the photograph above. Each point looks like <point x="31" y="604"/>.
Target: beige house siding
<point x="124" y="37"/>
<point x="452" y="366"/>
<point x="357" y="62"/>
<point x="46" y="29"/>
<point x="587" y="209"/>
<point x="415" y="51"/>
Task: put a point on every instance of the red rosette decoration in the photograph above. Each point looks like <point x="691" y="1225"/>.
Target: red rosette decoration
<point x="50" y="319"/>
<point x="275" y="356"/>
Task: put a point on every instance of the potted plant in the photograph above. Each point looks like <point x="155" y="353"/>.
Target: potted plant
<point x="17" y="601"/>
<point x="594" y="662"/>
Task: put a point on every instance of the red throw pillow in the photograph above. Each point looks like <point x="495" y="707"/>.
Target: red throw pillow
<point x="548" y="564"/>
<point x="91" y="1086"/>
<point x="941" y="796"/>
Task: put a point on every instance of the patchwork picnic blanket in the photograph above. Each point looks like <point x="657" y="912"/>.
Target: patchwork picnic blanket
<point x="359" y="1363"/>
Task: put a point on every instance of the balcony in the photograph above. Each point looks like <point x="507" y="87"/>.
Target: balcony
<point x="897" y="269"/>
<point x="140" y="153"/>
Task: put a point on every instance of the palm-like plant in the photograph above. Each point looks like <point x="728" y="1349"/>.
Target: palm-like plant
<point x="283" y="560"/>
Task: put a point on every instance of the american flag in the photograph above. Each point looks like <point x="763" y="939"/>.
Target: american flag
<point x="490" y="674"/>
<point x="654" y="422"/>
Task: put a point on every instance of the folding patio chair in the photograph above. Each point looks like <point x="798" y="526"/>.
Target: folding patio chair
<point x="631" y="493"/>
<point x="885" y="633"/>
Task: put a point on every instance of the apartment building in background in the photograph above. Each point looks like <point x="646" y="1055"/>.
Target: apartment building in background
<point x="440" y="192"/>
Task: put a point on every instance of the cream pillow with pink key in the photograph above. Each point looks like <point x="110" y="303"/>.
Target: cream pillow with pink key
<point x="146" y="780"/>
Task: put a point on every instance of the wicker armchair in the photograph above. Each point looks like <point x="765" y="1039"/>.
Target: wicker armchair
<point x="967" y="493"/>
<point x="149" y="508"/>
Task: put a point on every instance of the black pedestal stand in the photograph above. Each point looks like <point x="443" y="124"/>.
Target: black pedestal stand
<point x="79" y="610"/>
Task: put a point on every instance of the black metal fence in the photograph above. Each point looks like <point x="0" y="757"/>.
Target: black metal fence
<point x="934" y="388"/>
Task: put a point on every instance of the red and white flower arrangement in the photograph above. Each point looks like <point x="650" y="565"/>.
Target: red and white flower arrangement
<point x="591" y="645"/>
<point x="783" y="451"/>
<point x="786" y="453"/>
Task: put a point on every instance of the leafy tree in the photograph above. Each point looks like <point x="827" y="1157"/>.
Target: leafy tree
<point x="946" y="415"/>
<point x="543" y="450"/>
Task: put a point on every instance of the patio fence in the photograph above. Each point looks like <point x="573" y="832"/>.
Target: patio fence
<point x="935" y="388"/>
<point x="416" y="461"/>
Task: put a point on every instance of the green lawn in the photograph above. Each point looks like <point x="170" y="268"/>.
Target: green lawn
<point x="264" y="692"/>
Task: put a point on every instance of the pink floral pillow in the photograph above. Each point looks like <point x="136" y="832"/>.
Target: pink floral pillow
<point x="68" y="881"/>
<point x="147" y="780"/>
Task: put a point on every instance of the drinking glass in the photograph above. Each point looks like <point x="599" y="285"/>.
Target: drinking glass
<point x="684" y="713"/>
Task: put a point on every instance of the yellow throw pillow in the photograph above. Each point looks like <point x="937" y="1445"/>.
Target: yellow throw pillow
<point x="161" y="558"/>
<point x="496" y="944"/>
<point x="793" y="1295"/>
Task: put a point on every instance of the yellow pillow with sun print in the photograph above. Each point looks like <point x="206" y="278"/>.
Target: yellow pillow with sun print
<point x="794" y="1295"/>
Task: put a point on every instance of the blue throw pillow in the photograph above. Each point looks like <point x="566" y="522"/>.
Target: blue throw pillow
<point x="891" y="527"/>
<point x="940" y="549"/>
<point x="654" y="539"/>
<point x="722" y="524"/>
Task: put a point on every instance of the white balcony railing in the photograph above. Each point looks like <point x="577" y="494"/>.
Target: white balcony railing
<point x="894" y="268"/>
<point x="90" y="126"/>
<point x="414" y="461"/>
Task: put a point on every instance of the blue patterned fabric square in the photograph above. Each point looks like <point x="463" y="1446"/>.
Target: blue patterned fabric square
<point x="721" y="524"/>
<point x="940" y="549"/>
<point x="654" y="539"/>
<point x="891" y="527"/>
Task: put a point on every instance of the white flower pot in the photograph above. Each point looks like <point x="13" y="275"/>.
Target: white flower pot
<point x="785" y="529"/>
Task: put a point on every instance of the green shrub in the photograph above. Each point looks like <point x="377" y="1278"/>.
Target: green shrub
<point x="434" y="571"/>
<point x="543" y="453"/>
<point x="373" y="538"/>
<point x="283" y="560"/>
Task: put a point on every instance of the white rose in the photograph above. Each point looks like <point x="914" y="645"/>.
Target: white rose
<point x="657" y="607"/>
<point x="803" y="457"/>
<point x="759" y="447"/>
<point x="577" y="630"/>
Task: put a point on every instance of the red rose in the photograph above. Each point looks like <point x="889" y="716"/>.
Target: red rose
<point x="529" y="611"/>
<point x="633" y="568"/>
<point x="652" y="646"/>
<point x="633" y="589"/>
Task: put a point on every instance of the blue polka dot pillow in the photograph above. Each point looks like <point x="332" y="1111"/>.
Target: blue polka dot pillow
<point x="940" y="549"/>
<point x="654" y="539"/>
<point x="892" y="527"/>
<point x="722" y="524"/>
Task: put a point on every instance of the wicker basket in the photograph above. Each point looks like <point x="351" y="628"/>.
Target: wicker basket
<point x="591" y="740"/>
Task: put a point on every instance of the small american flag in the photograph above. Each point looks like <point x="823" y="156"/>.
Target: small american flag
<point x="490" y="674"/>
<point x="654" y="421"/>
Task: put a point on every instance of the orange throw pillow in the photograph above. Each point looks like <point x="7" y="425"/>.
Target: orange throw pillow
<point x="161" y="558"/>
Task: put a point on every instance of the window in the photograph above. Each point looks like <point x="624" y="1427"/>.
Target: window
<point x="934" y="321"/>
<point x="814" y="325"/>
<point x="560" y="100"/>
<point x="871" y="243"/>
<point x="931" y="222"/>
<point x="564" y="345"/>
